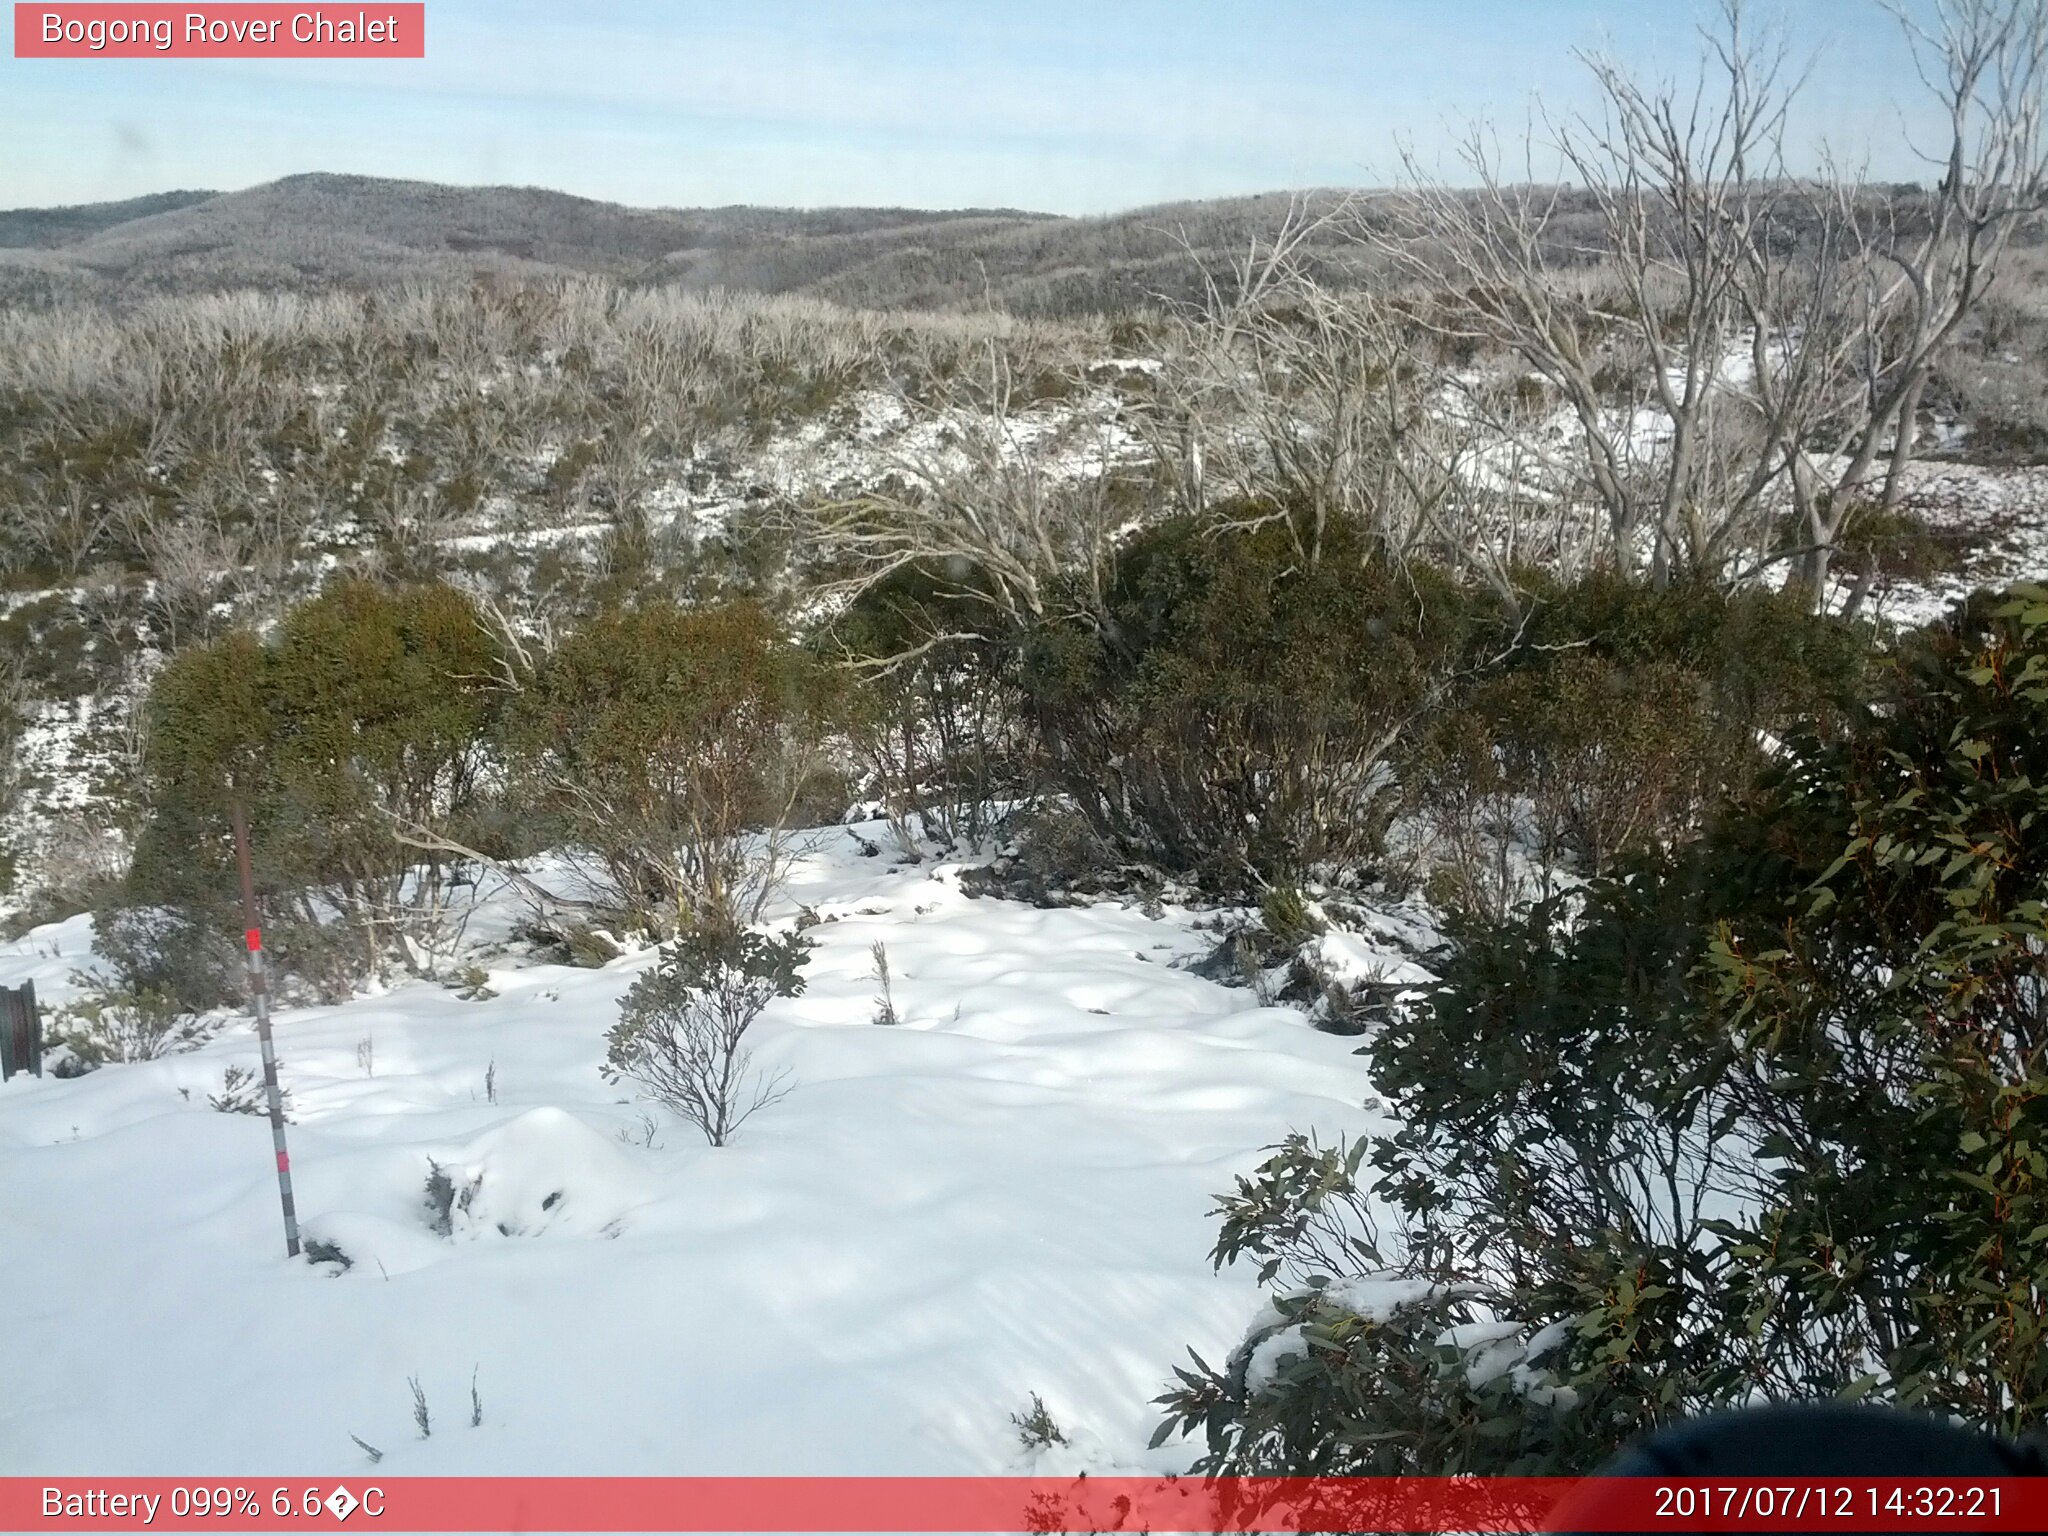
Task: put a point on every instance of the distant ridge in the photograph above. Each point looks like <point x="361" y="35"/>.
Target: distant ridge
<point x="45" y="227"/>
<point x="318" y="231"/>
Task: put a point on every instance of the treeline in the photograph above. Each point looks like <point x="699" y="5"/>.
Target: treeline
<point x="314" y="233"/>
<point x="318" y="232"/>
<point x="1219" y="718"/>
<point x="189" y="462"/>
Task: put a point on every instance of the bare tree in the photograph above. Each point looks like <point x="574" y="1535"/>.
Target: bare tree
<point x="1014" y="508"/>
<point x="1290" y="401"/>
<point x="1285" y="400"/>
<point x="409" y="527"/>
<point x="1730" y="343"/>
<point x="62" y="525"/>
<point x="193" y="561"/>
<point x="1985" y="64"/>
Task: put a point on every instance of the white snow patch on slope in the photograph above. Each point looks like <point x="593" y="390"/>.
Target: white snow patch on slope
<point x="1007" y="1193"/>
<point x="1351" y="959"/>
<point x="2002" y="513"/>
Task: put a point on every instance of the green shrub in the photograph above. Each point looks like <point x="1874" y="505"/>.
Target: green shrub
<point x="937" y="717"/>
<point x="1762" y="657"/>
<point x="112" y="1024"/>
<point x="1037" y="1429"/>
<point x="1887" y="976"/>
<point x="353" y="741"/>
<point x="1284" y="913"/>
<point x="170" y="952"/>
<point x="1614" y="719"/>
<point x="1609" y="759"/>
<point x="1232" y="716"/>
<point x="682" y="1030"/>
<point x="1354" y="1370"/>
<point x="1902" y="545"/>
<point x="244" y="1092"/>
<point x="676" y="746"/>
<point x="57" y="654"/>
<point x="1759" y="1115"/>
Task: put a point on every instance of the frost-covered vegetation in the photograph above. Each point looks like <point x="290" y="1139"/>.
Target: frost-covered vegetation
<point x="1454" y="717"/>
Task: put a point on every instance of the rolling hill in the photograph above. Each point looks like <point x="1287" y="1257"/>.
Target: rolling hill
<point x="319" y="231"/>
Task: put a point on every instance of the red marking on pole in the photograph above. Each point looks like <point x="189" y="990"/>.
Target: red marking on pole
<point x="254" y="937"/>
<point x="284" y="1162"/>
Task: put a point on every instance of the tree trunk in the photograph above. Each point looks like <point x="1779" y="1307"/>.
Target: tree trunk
<point x="1903" y="438"/>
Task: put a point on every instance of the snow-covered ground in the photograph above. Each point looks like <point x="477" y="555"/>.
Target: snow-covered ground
<point x="1006" y="1193"/>
<point x="1999" y="514"/>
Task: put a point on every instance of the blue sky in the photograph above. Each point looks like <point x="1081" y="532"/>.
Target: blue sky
<point x="1072" y="106"/>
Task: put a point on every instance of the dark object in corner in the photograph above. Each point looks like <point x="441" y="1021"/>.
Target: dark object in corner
<point x="21" y="1032"/>
<point x="1804" y="1441"/>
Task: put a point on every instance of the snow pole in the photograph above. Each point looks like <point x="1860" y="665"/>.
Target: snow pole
<point x="260" y="991"/>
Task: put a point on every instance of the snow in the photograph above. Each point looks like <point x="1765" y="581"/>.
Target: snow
<point x="1489" y="1348"/>
<point x="1007" y="1193"/>
<point x="1492" y="1349"/>
<point x="1377" y="1297"/>
<point x="2001" y="514"/>
<point x="1350" y="958"/>
<point x="877" y="437"/>
<point x="1272" y="1352"/>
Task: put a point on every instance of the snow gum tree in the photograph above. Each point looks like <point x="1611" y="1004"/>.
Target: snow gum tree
<point x="1738" y="347"/>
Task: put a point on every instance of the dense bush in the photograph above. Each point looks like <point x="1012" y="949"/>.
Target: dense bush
<point x="937" y="718"/>
<point x="1760" y="654"/>
<point x="354" y="740"/>
<point x="117" y="1025"/>
<point x="1238" y="714"/>
<point x="1758" y="1115"/>
<point x="169" y="952"/>
<point x="1888" y="982"/>
<point x="1613" y="719"/>
<point x="1233" y="714"/>
<point x="1354" y="1369"/>
<point x="675" y="747"/>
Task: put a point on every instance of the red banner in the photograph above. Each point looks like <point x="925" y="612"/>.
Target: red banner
<point x="100" y="31"/>
<point x="905" y="1504"/>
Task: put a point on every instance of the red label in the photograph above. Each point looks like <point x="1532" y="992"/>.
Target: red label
<point x="374" y="31"/>
<point x="999" y="1504"/>
<point x="284" y="1162"/>
<point x="254" y="938"/>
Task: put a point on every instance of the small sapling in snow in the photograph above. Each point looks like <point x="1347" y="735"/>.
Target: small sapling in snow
<point x="885" y="997"/>
<point x="1037" y="1430"/>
